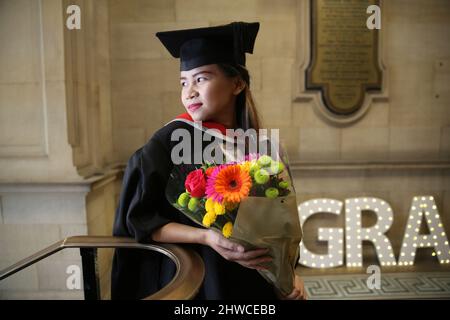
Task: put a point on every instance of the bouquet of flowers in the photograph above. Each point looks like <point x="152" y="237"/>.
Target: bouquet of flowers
<point x="251" y="202"/>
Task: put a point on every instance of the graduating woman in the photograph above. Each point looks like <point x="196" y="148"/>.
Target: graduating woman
<point x="215" y="89"/>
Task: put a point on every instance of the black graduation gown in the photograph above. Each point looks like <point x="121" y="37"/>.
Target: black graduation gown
<point x="143" y="208"/>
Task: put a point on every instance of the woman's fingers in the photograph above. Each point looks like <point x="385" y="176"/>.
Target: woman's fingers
<point x="294" y="294"/>
<point x="227" y="244"/>
<point x="301" y="287"/>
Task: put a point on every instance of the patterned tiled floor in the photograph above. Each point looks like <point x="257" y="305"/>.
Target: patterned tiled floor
<point x="417" y="285"/>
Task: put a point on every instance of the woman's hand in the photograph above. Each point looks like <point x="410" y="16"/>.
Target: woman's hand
<point x="232" y="251"/>
<point x="298" y="293"/>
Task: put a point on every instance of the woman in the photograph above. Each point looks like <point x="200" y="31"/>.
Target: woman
<point x="214" y="90"/>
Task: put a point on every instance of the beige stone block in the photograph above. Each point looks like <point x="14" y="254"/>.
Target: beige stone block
<point x="105" y="257"/>
<point x="445" y="143"/>
<point x="154" y="118"/>
<point x="276" y="39"/>
<point x="19" y="241"/>
<point x="171" y="106"/>
<point x="142" y="11"/>
<point x="411" y="180"/>
<point x="441" y="82"/>
<point x="410" y="83"/>
<point x="139" y="41"/>
<point x="98" y="224"/>
<point x="53" y="275"/>
<point x="56" y="119"/>
<point x="135" y="116"/>
<point x="20" y="57"/>
<point x="276" y="76"/>
<point x="414" y="143"/>
<point x="377" y="116"/>
<point x="274" y="109"/>
<point x="43" y="208"/>
<point x="21" y="115"/>
<point x="276" y="10"/>
<point x="102" y="28"/>
<point x="413" y="98"/>
<point x="136" y="41"/>
<point x="319" y="144"/>
<point x="306" y="115"/>
<point x="216" y="10"/>
<point x="52" y="27"/>
<point x="289" y="140"/>
<point x="254" y="68"/>
<point x="329" y="181"/>
<point x="26" y="279"/>
<point x="412" y="50"/>
<point x="127" y="141"/>
<point x="401" y="11"/>
<point x="436" y="36"/>
<point x="140" y="110"/>
<point x="80" y="63"/>
<point x="365" y="143"/>
<point x="425" y="23"/>
<point x="70" y="230"/>
<point x="145" y="76"/>
<point x="126" y="98"/>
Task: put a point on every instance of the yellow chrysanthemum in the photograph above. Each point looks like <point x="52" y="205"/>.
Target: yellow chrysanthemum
<point x="227" y="229"/>
<point x="209" y="204"/>
<point x="245" y="166"/>
<point x="219" y="209"/>
<point x="209" y="219"/>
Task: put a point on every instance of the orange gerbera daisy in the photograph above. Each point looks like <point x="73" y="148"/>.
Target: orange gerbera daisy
<point x="233" y="183"/>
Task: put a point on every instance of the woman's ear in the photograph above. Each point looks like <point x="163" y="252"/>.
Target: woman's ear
<point x="239" y="86"/>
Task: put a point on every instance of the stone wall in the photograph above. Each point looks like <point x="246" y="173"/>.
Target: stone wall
<point x="55" y="126"/>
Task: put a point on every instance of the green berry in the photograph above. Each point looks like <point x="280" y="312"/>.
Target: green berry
<point x="253" y="168"/>
<point x="276" y="167"/>
<point x="284" y="184"/>
<point x="261" y="176"/>
<point x="272" y="193"/>
<point x="264" y="161"/>
<point x="183" y="199"/>
<point x="193" y="203"/>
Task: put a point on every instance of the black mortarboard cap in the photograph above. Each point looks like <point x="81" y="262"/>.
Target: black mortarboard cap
<point x="220" y="44"/>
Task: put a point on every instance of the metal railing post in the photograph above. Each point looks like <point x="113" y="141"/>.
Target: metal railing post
<point x="90" y="273"/>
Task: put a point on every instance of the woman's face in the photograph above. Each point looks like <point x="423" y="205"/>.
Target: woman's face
<point x="209" y="95"/>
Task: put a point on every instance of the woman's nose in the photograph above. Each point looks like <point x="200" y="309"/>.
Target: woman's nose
<point x="191" y="92"/>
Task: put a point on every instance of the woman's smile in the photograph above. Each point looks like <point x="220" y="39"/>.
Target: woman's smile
<point x="194" y="106"/>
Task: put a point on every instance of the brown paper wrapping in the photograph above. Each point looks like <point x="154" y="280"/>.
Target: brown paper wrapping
<point x="271" y="223"/>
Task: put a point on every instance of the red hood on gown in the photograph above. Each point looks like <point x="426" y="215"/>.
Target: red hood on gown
<point x="207" y="124"/>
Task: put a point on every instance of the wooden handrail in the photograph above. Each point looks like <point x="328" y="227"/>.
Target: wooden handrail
<point x="184" y="285"/>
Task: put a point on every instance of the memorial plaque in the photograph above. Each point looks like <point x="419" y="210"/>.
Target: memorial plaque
<point x="344" y="54"/>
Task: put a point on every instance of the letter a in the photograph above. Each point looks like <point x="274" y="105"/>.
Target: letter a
<point x="374" y="281"/>
<point x="74" y="280"/>
<point x="74" y="20"/>
<point x="374" y="21"/>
